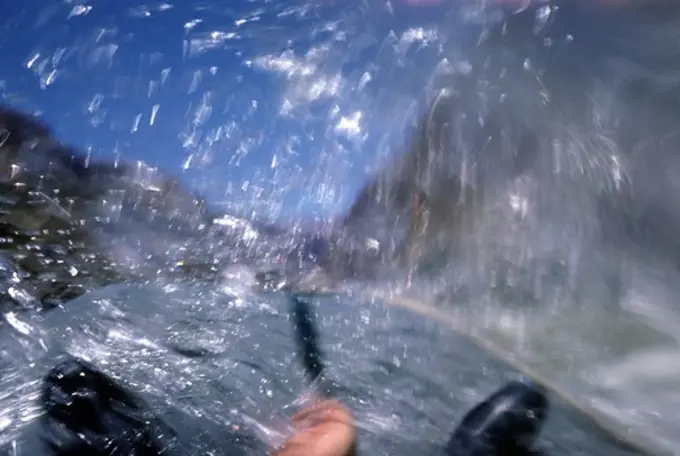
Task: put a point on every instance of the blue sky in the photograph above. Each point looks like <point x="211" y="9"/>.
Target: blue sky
<point x="215" y="79"/>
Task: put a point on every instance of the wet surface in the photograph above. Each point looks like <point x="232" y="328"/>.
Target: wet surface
<point x="243" y="363"/>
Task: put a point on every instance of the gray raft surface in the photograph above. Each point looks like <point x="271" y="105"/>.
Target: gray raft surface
<point x="407" y="370"/>
<point x="575" y="425"/>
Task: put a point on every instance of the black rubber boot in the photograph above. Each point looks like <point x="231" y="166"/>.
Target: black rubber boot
<point x="87" y="413"/>
<point x="507" y="423"/>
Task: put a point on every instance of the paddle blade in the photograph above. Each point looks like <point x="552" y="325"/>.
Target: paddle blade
<point x="307" y="338"/>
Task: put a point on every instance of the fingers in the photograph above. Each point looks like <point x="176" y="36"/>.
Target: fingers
<point x="322" y="412"/>
<point x="325" y="429"/>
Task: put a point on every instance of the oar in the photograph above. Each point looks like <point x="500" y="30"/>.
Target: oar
<point x="307" y="338"/>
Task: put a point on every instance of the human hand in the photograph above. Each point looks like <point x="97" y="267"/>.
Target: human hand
<point x="322" y="429"/>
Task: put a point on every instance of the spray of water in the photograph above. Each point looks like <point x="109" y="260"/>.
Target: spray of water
<point x="280" y="113"/>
